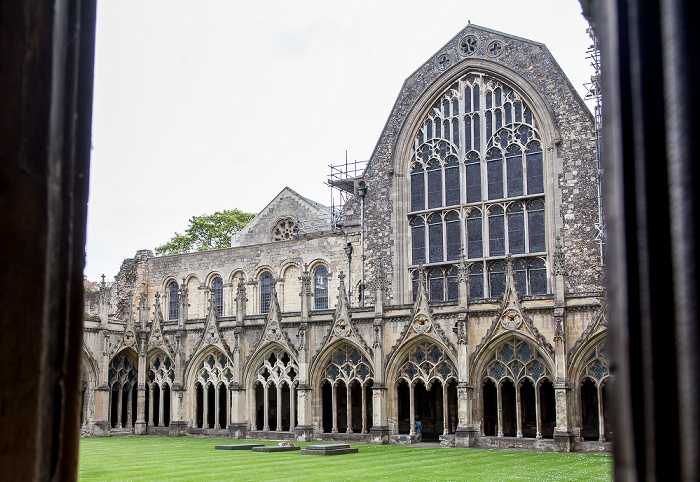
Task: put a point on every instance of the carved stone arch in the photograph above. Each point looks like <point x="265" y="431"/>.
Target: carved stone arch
<point x="160" y="367"/>
<point x="491" y="351"/>
<point x="257" y="359"/>
<point x="396" y="361"/>
<point x="320" y="362"/>
<point x="130" y="351"/>
<point x="89" y="371"/>
<point x="191" y="276"/>
<point x="235" y="273"/>
<point x="165" y="283"/>
<point x="211" y="275"/>
<point x="191" y="370"/>
<point x="315" y="263"/>
<point x="583" y="364"/>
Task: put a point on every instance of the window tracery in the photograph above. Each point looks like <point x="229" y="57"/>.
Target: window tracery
<point x="160" y="371"/>
<point x="122" y="372"/>
<point x="478" y="165"/>
<point x="596" y="365"/>
<point x="517" y="359"/>
<point x="277" y="368"/>
<point x="214" y="369"/>
<point x="285" y="229"/>
<point x="321" y="288"/>
<point x="265" y="291"/>
<point x="426" y="362"/>
<point x="217" y="286"/>
<point x="347" y="364"/>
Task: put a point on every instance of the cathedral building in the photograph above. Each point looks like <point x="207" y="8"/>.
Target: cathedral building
<point x="461" y="285"/>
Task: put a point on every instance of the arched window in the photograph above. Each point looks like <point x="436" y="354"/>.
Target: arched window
<point x="479" y="144"/>
<point x="516" y="229"/>
<point x="435" y="237"/>
<point x="434" y="184"/>
<point x="452" y="283"/>
<point x="173" y="301"/>
<point x="417" y="187"/>
<point x="321" y="288"/>
<point x="436" y="282"/>
<point x="475" y="247"/>
<point x="476" y="281"/>
<point x="494" y="165"/>
<point x="217" y="287"/>
<point x="418" y="240"/>
<point x="497" y="245"/>
<point x="497" y="278"/>
<point x="452" y="233"/>
<point x="538" y="276"/>
<point x="520" y="276"/>
<point x="265" y="291"/>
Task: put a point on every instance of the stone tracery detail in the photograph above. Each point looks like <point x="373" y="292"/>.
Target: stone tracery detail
<point x="426" y="362"/>
<point x="347" y="363"/>
<point x="285" y="229"/>
<point x="517" y="359"/>
<point x="215" y="369"/>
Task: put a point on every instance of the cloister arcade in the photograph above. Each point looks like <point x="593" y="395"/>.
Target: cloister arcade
<point x="122" y="390"/>
<point x="346" y="391"/>
<point x="159" y="379"/>
<point x="212" y="399"/>
<point x="592" y="394"/>
<point x="274" y="386"/>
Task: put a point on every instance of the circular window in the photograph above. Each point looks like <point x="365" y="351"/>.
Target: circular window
<point x="284" y="229"/>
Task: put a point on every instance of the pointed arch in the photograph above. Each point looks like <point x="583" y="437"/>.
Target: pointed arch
<point x="257" y="359"/>
<point x="196" y="362"/>
<point x="401" y="356"/>
<point x="321" y="361"/>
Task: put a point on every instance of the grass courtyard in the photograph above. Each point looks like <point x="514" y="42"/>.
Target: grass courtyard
<point x="170" y="458"/>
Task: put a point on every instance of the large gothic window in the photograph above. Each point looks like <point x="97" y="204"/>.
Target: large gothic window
<point x="477" y="183"/>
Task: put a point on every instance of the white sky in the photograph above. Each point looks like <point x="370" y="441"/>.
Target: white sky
<point x="208" y="105"/>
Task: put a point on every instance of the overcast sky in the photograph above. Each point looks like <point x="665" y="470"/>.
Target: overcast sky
<point x="208" y="105"/>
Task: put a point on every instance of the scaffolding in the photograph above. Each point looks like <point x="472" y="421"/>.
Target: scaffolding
<point x="343" y="180"/>
<point x="594" y="93"/>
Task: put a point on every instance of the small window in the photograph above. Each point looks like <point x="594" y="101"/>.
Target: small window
<point x="473" y="172"/>
<point x="265" y="291"/>
<point x="497" y="278"/>
<point x="437" y="284"/>
<point x="516" y="229"/>
<point x="452" y="284"/>
<point x="535" y="221"/>
<point x="451" y="181"/>
<point x="435" y="238"/>
<point x="476" y="281"/>
<point x="417" y="188"/>
<point x="452" y="231"/>
<point x="418" y="240"/>
<point x="494" y="168"/>
<point x="538" y="277"/>
<point x="535" y="180"/>
<point x="173" y="301"/>
<point x="434" y="184"/>
<point x="321" y="288"/>
<point x="475" y="248"/>
<point x="217" y="287"/>
<point x="497" y="245"/>
<point x="520" y="276"/>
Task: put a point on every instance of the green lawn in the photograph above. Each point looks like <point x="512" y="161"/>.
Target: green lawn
<point x="170" y="458"/>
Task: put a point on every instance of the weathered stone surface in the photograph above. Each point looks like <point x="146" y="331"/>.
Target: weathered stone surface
<point x="273" y="448"/>
<point x="330" y="449"/>
<point x="238" y="446"/>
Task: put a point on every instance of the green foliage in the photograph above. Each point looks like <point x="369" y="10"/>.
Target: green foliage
<point x="183" y="458"/>
<point x="208" y="231"/>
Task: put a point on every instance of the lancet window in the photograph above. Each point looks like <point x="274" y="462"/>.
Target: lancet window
<point x="477" y="183"/>
<point x="217" y="287"/>
<point x="321" y="288"/>
<point x="173" y="301"/>
<point x="346" y="391"/>
<point x="212" y="397"/>
<point x="275" y="392"/>
<point x="122" y="385"/>
<point x="265" y="291"/>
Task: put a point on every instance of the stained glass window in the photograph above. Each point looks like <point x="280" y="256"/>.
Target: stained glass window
<point x="535" y="215"/>
<point x="476" y="281"/>
<point x="321" y="288"/>
<point x="451" y="181"/>
<point x="494" y="164"/>
<point x="516" y="229"/>
<point x="418" y="240"/>
<point x="520" y="276"/>
<point x="436" y="284"/>
<point x="497" y="278"/>
<point x="417" y="188"/>
<point x="218" y="287"/>
<point x="497" y="245"/>
<point x="514" y="167"/>
<point x="475" y="247"/>
<point x="265" y="291"/>
<point x="535" y="182"/>
<point x="173" y="301"/>
<point x="452" y="233"/>
<point x="452" y="283"/>
<point x="435" y="237"/>
<point x="473" y="171"/>
<point x="434" y="184"/>
<point x="538" y="276"/>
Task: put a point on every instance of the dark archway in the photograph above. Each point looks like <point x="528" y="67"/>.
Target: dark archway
<point x="452" y="419"/>
<point x="429" y="409"/>
<point x="490" y="408"/>
<point x="369" y="403"/>
<point x="146" y="416"/>
<point x="199" y="415"/>
<point x="403" y="399"/>
<point x="223" y="412"/>
<point x="134" y="404"/>
<point x="606" y="421"/>
<point x="356" y="406"/>
<point x="589" y="410"/>
<point x="508" y="409"/>
<point x="156" y="404"/>
<point x="211" y="405"/>
<point x="286" y="406"/>
<point x="125" y="405"/>
<point x="528" y="409"/>
<point x="327" y="406"/>
<point x="271" y="407"/>
<point x="342" y="410"/>
<point x="259" y="406"/>
<point x="114" y="408"/>
<point x="548" y="412"/>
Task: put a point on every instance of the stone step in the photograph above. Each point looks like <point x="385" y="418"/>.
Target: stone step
<point x="238" y="446"/>
<point x="330" y="449"/>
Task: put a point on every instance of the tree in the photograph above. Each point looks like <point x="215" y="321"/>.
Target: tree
<point x="208" y="231"/>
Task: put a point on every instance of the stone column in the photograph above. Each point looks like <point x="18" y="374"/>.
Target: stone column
<point x="129" y="413"/>
<point x="161" y="406"/>
<point x="292" y="408"/>
<point x="364" y="409"/>
<point x="412" y="411"/>
<point x="305" y="428"/>
<point x="150" y="405"/>
<point x="445" y="411"/>
<point x="178" y="426"/>
<point x="335" y="408"/>
<point x="279" y="407"/>
<point x="119" y="407"/>
<point x="563" y="436"/>
<point x="266" y="403"/>
<point x="518" y="412"/>
<point x="380" y="426"/>
<point x="499" y="408"/>
<point x="601" y="418"/>
<point x="466" y="432"/>
<point x="140" y="425"/>
<point x="205" y="407"/>
<point x="348" y="407"/>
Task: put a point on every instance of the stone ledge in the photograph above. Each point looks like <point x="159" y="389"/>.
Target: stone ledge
<point x="272" y="448"/>
<point x="238" y="446"/>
